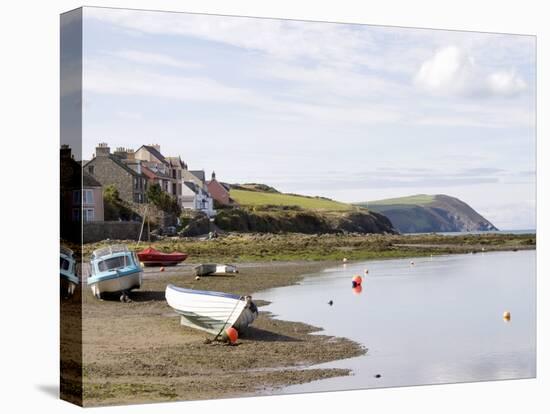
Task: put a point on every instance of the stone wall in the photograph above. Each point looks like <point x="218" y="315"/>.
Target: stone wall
<point x="114" y="230"/>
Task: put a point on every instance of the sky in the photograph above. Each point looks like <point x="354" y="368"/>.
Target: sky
<point x="346" y="111"/>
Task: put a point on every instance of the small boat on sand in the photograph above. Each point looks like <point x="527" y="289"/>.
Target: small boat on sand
<point x="212" y="312"/>
<point x="206" y="269"/>
<point x="152" y="257"/>
<point x="115" y="269"/>
<point x="67" y="272"/>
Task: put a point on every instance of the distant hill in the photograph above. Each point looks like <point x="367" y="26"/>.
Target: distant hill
<point x="424" y="213"/>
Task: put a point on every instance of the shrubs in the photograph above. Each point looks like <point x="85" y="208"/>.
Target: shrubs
<point x="162" y="200"/>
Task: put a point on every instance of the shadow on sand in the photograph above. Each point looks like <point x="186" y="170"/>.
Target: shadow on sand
<point x="258" y="334"/>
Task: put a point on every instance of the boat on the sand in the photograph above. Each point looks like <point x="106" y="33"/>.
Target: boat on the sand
<point x="206" y="269"/>
<point x="114" y="269"/>
<point x="212" y="312"/>
<point x="152" y="257"/>
<point x="67" y="272"/>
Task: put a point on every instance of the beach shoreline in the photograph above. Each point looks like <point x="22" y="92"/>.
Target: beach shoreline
<point x="138" y="352"/>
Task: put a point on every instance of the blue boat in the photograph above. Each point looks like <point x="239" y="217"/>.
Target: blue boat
<point x="114" y="269"/>
<point x="67" y="272"/>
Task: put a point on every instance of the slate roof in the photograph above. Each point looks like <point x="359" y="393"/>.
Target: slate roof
<point x="156" y="153"/>
<point x="192" y="186"/>
<point x="199" y="174"/>
<point x="89" y="181"/>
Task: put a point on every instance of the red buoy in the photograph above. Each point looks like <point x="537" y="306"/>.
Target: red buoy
<point x="357" y="280"/>
<point x="232" y="335"/>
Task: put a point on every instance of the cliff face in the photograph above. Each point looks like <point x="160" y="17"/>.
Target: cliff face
<point x="302" y="221"/>
<point x="426" y="214"/>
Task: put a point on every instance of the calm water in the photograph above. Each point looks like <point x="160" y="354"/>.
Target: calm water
<point x="437" y="321"/>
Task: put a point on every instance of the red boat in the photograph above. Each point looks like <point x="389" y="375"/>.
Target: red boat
<point x="152" y="257"/>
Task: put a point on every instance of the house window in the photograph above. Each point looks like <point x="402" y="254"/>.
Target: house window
<point x="88" y="214"/>
<point x="76" y="197"/>
<point x="135" y="183"/>
<point x="91" y="169"/>
<point x="87" y="197"/>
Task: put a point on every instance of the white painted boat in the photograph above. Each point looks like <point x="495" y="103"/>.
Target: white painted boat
<point x="67" y="272"/>
<point x="212" y="312"/>
<point x="206" y="269"/>
<point x="115" y="269"/>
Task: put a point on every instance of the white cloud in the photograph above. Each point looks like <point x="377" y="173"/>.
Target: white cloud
<point x="154" y="59"/>
<point x="452" y="71"/>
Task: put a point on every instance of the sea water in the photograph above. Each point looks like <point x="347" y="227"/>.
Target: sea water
<point x="436" y="320"/>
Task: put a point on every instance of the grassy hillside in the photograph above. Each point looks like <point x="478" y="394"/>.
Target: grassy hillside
<point x="258" y="198"/>
<point x="418" y="199"/>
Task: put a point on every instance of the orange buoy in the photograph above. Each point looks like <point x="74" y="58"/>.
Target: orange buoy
<point x="356" y="281"/>
<point x="506" y="316"/>
<point x="357" y="289"/>
<point x="162" y="269"/>
<point x="231" y="334"/>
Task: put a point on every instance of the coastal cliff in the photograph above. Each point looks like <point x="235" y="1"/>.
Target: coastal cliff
<point x="430" y="213"/>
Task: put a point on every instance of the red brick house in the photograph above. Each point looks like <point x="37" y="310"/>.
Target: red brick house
<point x="219" y="192"/>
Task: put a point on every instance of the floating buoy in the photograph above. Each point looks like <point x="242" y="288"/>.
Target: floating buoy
<point x="356" y="281"/>
<point x="366" y="271"/>
<point x="197" y="278"/>
<point x="162" y="269"/>
<point x="412" y="263"/>
<point x="330" y="302"/>
<point x="357" y="289"/>
<point x="141" y="264"/>
<point x="345" y="259"/>
<point x="231" y="335"/>
<point x="377" y="376"/>
<point x="506" y="316"/>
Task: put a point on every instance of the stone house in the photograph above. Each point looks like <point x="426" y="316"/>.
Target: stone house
<point x="219" y="192"/>
<point x="81" y="194"/>
<point x="120" y="169"/>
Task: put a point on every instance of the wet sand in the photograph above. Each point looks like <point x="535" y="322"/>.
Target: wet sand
<point x="138" y="352"/>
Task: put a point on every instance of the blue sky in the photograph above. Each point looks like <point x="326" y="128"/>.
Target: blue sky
<point x="351" y="112"/>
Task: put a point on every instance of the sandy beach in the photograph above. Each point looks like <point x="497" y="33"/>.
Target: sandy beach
<point x="138" y="352"/>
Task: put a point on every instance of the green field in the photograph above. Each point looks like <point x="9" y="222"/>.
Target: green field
<point x="257" y="198"/>
<point x="418" y="199"/>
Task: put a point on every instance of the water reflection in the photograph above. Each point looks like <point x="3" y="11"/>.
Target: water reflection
<point x="437" y="321"/>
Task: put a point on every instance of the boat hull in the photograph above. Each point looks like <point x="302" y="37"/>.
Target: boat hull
<point x="152" y="257"/>
<point x="215" y="269"/>
<point x="211" y="312"/>
<point x="122" y="283"/>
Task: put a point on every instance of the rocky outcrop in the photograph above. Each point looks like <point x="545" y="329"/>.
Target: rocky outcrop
<point x="302" y="221"/>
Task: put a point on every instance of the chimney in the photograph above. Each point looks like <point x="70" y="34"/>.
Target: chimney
<point x="102" y="150"/>
<point x="120" y="153"/>
<point x="65" y="152"/>
<point x="213" y="176"/>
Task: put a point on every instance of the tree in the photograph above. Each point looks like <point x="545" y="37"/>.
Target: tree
<point x="162" y="200"/>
